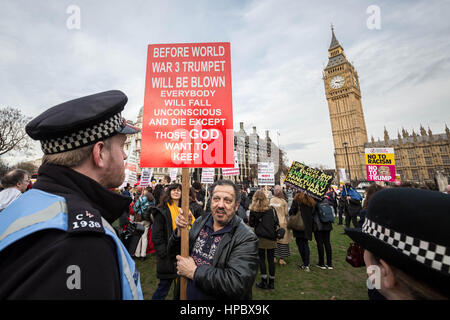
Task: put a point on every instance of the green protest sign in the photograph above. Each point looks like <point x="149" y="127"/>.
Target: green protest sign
<point x="312" y="181"/>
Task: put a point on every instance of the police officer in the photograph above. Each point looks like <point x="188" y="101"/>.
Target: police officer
<point x="56" y="241"/>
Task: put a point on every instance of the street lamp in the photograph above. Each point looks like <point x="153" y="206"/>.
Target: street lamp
<point x="345" y="144"/>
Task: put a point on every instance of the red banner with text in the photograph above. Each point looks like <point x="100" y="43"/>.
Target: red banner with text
<point x="188" y="117"/>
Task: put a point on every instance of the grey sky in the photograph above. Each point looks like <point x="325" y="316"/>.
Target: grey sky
<point x="278" y="49"/>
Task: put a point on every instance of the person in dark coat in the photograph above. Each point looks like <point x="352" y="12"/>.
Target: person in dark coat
<point x="223" y="260"/>
<point x="242" y="214"/>
<point x="332" y="198"/>
<point x="341" y="205"/>
<point x="322" y="231"/>
<point x="245" y="201"/>
<point x="353" y="205"/>
<point x="194" y="205"/>
<point x="305" y="204"/>
<point x="199" y="192"/>
<point x="264" y="220"/>
<point x="163" y="225"/>
<point x="370" y="191"/>
<point x="126" y="191"/>
<point x="160" y="188"/>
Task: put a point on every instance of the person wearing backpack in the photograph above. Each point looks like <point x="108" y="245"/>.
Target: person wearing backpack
<point x="353" y="205"/>
<point x="194" y="205"/>
<point x="341" y="205"/>
<point x="144" y="203"/>
<point x="264" y="220"/>
<point x="332" y="198"/>
<point x="323" y="217"/>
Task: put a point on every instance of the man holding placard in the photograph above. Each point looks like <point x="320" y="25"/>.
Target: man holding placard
<point x="223" y="260"/>
<point x="188" y="113"/>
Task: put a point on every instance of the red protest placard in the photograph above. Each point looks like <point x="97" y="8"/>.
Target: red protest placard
<point x="188" y="118"/>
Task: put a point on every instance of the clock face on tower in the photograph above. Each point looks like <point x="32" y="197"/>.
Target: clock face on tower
<point x="337" y="82"/>
<point x="354" y="80"/>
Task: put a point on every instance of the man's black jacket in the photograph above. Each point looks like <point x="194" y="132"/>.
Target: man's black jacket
<point x="235" y="263"/>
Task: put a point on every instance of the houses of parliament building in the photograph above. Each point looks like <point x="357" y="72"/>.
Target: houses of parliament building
<point x="419" y="157"/>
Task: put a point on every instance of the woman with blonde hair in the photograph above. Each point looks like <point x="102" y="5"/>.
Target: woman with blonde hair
<point x="279" y="203"/>
<point x="264" y="220"/>
<point x="305" y="204"/>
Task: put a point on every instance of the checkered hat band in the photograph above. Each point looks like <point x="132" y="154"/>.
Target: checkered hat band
<point x="82" y="137"/>
<point x="430" y="254"/>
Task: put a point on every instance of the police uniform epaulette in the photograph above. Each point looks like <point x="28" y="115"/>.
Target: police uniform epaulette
<point x="84" y="219"/>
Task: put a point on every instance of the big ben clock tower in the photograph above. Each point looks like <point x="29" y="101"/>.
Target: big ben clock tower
<point x="346" y="114"/>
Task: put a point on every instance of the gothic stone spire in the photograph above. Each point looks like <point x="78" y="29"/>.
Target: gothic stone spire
<point x="334" y="42"/>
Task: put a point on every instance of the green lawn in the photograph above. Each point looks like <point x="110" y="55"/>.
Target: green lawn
<point x="291" y="283"/>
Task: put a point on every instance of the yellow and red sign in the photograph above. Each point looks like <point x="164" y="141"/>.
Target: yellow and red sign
<point x="380" y="164"/>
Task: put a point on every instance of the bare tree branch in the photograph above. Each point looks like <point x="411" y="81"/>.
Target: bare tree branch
<point x="12" y="131"/>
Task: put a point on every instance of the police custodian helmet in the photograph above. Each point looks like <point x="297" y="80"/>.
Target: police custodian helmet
<point x="80" y="122"/>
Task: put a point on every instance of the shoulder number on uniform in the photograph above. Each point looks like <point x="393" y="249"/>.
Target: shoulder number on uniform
<point x="85" y="222"/>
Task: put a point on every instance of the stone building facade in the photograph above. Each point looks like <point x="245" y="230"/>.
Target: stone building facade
<point x="419" y="157"/>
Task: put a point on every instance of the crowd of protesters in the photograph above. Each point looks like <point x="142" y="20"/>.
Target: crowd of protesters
<point x="156" y="208"/>
<point x="57" y="241"/>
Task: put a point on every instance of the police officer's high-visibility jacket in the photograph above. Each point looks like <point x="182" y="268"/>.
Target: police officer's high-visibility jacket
<point x="37" y="211"/>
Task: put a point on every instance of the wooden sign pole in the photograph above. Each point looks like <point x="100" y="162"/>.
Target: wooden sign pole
<point x="159" y="77"/>
<point x="185" y="184"/>
<point x="206" y="198"/>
